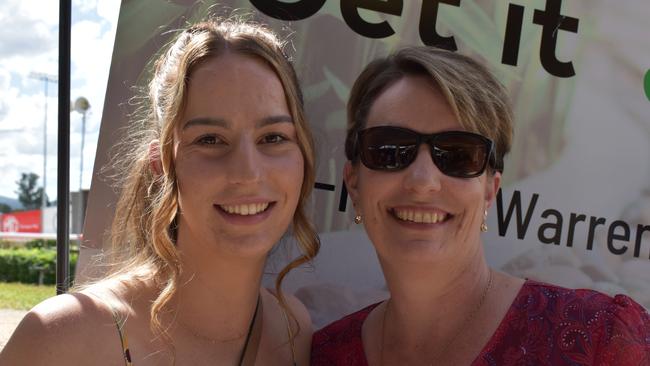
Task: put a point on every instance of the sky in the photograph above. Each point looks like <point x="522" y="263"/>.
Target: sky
<point x="29" y="44"/>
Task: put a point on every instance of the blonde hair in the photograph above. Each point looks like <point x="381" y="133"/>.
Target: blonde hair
<point x="144" y="226"/>
<point x="478" y="100"/>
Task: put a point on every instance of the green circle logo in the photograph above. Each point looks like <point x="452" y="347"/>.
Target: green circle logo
<point x="646" y="84"/>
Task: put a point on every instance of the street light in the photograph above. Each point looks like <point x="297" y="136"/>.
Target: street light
<point x="46" y="79"/>
<point x="81" y="105"/>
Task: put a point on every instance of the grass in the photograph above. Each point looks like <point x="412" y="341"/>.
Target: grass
<point x="20" y="296"/>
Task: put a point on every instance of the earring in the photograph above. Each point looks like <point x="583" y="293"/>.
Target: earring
<point x="358" y="219"/>
<point x="484" y="227"/>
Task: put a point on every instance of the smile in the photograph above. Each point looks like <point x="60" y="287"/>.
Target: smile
<point x="420" y="216"/>
<point x="245" y="209"/>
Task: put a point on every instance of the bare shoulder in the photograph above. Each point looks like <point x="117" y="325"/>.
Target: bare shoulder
<point x="298" y="310"/>
<point x="301" y="326"/>
<point x="301" y="313"/>
<point x="58" y="326"/>
<point x="303" y="338"/>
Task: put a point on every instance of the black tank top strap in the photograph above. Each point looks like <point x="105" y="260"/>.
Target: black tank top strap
<point x="121" y="331"/>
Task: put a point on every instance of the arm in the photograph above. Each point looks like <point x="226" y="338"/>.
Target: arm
<point x="626" y="336"/>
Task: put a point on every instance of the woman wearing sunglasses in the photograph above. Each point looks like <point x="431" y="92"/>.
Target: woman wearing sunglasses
<point x="220" y="167"/>
<point x="427" y="133"/>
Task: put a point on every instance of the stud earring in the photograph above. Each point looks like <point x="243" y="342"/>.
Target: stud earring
<point x="358" y="219"/>
<point x="484" y="227"/>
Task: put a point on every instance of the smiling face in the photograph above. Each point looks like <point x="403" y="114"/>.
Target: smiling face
<point x="419" y="214"/>
<point x="238" y="164"/>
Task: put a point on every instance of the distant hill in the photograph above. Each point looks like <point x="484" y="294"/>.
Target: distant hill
<point x="12" y="202"/>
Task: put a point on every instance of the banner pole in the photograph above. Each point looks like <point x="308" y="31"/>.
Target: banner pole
<point x="63" y="161"/>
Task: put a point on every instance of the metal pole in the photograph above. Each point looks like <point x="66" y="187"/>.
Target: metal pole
<point x="63" y="160"/>
<point x="43" y="195"/>
<point x="81" y="157"/>
<point x="45" y="78"/>
<point x="81" y="170"/>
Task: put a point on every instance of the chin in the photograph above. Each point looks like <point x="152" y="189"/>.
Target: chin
<point x="414" y="250"/>
<point x="245" y="245"/>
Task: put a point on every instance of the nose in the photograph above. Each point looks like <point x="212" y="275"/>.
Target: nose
<point x="245" y="164"/>
<point x="422" y="175"/>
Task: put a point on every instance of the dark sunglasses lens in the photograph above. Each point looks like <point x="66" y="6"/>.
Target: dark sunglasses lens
<point x="386" y="148"/>
<point x="461" y="155"/>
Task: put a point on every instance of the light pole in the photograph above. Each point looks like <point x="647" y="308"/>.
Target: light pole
<point x="81" y="105"/>
<point x="46" y="79"/>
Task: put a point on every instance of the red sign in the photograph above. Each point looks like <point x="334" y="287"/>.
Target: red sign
<point x="21" y="222"/>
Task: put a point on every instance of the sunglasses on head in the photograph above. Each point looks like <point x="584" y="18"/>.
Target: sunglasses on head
<point x="457" y="154"/>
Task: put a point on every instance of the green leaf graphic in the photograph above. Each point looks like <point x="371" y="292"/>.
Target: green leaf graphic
<point x="646" y="84"/>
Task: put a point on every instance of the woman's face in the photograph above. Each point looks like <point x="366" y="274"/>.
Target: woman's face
<point x="238" y="164"/>
<point x="392" y="202"/>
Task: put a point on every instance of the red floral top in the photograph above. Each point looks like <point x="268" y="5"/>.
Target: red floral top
<point x="545" y="325"/>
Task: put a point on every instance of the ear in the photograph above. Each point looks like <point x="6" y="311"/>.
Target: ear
<point x="350" y="179"/>
<point x="155" y="163"/>
<point x="491" y="188"/>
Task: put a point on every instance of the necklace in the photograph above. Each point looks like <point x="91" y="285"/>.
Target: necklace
<point x="254" y="333"/>
<point x="252" y="337"/>
<point x="451" y="339"/>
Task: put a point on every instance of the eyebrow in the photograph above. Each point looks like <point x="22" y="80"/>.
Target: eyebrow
<point x="209" y="121"/>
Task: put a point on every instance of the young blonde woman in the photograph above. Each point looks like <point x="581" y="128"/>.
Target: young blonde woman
<point x="220" y="171"/>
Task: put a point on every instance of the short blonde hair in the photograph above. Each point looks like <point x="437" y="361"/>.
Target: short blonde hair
<point x="478" y="100"/>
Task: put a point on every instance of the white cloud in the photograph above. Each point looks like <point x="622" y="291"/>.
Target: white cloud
<point x="27" y="27"/>
<point x="5" y="81"/>
<point x="85" y="5"/>
<point x="109" y="10"/>
<point x="28" y="42"/>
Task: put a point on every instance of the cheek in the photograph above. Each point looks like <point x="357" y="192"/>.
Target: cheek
<point x="198" y="179"/>
<point x="289" y="172"/>
<point x="373" y="187"/>
<point x="470" y="197"/>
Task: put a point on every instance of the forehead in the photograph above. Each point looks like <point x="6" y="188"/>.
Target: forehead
<point x="234" y="85"/>
<point x="414" y="102"/>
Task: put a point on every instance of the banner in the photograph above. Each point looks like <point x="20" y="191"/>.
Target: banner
<point x="574" y="209"/>
<point x="21" y="222"/>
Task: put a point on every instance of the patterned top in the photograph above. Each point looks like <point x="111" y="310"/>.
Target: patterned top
<point x="545" y="325"/>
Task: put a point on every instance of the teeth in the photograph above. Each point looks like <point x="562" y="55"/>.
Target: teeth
<point x="420" y="216"/>
<point x="245" y="210"/>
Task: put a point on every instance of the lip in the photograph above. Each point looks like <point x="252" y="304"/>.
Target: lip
<point x="237" y="219"/>
<point x="245" y="201"/>
<point x="392" y="212"/>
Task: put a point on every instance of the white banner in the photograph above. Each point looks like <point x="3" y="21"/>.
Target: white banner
<point x="575" y="204"/>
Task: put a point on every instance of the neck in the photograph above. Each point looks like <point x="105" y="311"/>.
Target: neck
<point x="220" y="287"/>
<point x="430" y="301"/>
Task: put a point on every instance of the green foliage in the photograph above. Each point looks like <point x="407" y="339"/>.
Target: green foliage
<point x="20" y="296"/>
<point x="40" y="243"/>
<point x="5" y="208"/>
<point x="7" y="244"/>
<point x="28" y="194"/>
<point x="25" y="264"/>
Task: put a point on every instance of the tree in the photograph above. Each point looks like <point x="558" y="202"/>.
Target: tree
<point x="5" y="208"/>
<point x="28" y="194"/>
